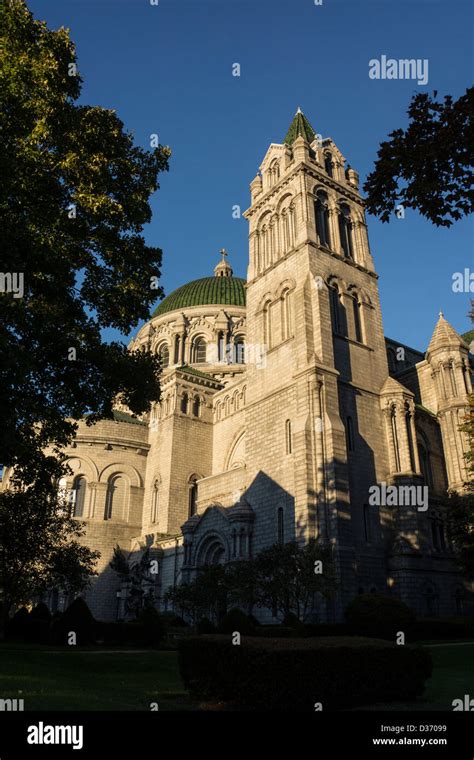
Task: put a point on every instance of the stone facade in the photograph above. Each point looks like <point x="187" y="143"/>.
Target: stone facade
<point x="282" y="404"/>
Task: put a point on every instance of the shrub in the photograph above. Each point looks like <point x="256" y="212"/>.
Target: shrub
<point x="171" y="620"/>
<point x="17" y="625"/>
<point x="275" y="631"/>
<point x="40" y="612"/>
<point x="292" y="621"/>
<point x="236" y="620"/>
<point x="325" y="629"/>
<point x="205" y="626"/>
<point x="379" y="616"/>
<point x="76" y="618"/>
<point x="153" y="626"/>
<point x="294" y="674"/>
<point x="38" y="631"/>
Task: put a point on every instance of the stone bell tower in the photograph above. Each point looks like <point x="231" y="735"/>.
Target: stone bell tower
<point x="314" y="424"/>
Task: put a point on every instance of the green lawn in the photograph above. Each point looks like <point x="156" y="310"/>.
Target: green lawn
<point x="453" y="676"/>
<point x="85" y="679"/>
<point x="50" y="678"/>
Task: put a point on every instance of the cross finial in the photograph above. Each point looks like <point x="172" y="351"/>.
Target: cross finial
<point x="223" y="253"/>
<point x="441" y="314"/>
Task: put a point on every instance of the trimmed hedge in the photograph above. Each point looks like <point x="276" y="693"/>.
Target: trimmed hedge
<point x="379" y="616"/>
<point x="294" y="674"/>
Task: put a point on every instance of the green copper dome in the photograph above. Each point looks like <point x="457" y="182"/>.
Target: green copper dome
<point x="228" y="291"/>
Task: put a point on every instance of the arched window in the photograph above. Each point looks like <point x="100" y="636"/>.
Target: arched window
<point x="357" y="320"/>
<point x="176" y="349"/>
<point x="193" y="492"/>
<point x="288" y="437"/>
<point x="452" y="375"/>
<point x="220" y="346"/>
<point x="199" y="351"/>
<point x="115" y="498"/>
<point x="155" y="500"/>
<point x="267" y="325"/>
<point x="393" y="423"/>
<point x="274" y="172"/>
<point x="321" y="212"/>
<point x="335" y="309"/>
<point x="425" y="463"/>
<point x="411" y="450"/>
<point x="164" y="354"/>
<point x="286" y="315"/>
<point x="350" y="434"/>
<point x="328" y="164"/>
<point x="79" y="488"/>
<point x="345" y="230"/>
<point x="281" y="525"/>
<point x="196" y="406"/>
<point x="239" y="350"/>
<point x="184" y="403"/>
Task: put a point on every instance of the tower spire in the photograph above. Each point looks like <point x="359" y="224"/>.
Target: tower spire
<point x="299" y="127"/>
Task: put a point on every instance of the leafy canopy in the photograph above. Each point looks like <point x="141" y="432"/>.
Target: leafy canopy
<point x="428" y="166"/>
<point x="74" y="199"/>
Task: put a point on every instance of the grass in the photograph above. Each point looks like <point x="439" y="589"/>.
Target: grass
<point x="453" y="676"/>
<point x="87" y="679"/>
<point x="49" y="678"/>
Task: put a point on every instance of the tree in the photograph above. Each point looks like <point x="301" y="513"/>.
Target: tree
<point x="39" y="546"/>
<point x="428" y="166"/>
<point x="74" y="199"/>
<point x="135" y="573"/>
<point x="288" y="576"/>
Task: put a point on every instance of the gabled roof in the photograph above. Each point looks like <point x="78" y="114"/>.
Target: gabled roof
<point x="299" y="127"/>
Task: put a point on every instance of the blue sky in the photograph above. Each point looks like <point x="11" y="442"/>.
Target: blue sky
<point x="167" y="69"/>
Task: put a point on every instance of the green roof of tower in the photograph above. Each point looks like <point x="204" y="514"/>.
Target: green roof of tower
<point x="300" y="127"/>
<point x="228" y="291"/>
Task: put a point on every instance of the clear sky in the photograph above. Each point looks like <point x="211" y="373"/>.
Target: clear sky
<point x="167" y="69"/>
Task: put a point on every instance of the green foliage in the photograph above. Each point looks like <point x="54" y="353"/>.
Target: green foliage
<point x="281" y="577"/>
<point x="205" y="626"/>
<point x="236" y="620"/>
<point x="40" y="545"/>
<point x="154" y="628"/>
<point x="134" y="569"/>
<point x="428" y="166"/>
<point x="40" y="612"/>
<point x="459" y="511"/>
<point x="294" y="674"/>
<point x="378" y="615"/>
<point x="76" y="618"/>
<point x="18" y="624"/>
<point x="74" y="199"/>
<point x="286" y="579"/>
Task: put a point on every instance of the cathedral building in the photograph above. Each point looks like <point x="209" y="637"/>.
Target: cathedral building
<point x="283" y="404"/>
